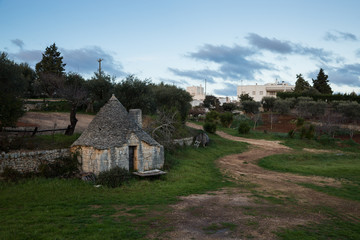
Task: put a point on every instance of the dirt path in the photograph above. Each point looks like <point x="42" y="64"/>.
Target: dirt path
<point x="47" y="120"/>
<point x="264" y="201"/>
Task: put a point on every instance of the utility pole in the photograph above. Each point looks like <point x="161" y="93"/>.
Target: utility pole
<point x="205" y="87"/>
<point x="99" y="60"/>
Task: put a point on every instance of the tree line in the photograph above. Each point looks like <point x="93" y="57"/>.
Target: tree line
<point x="49" y="79"/>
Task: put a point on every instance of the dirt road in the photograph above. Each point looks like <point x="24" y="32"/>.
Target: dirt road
<point x="48" y="120"/>
<point x="264" y="201"/>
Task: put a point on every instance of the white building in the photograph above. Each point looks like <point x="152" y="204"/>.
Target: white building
<point x="268" y="90"/>
<point x="197" y="92"/>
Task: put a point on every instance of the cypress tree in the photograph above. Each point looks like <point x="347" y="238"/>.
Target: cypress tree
<point x="321" y="83"/>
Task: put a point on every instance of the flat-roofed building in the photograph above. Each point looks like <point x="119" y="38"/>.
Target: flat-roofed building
<point x="268" y="90"/>
<point x="197" y="92"/>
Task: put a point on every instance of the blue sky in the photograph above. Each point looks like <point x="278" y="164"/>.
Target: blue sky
<point x="226" y="42"/>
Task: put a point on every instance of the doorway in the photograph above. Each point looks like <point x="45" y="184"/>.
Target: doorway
<point x="132" y="158"/>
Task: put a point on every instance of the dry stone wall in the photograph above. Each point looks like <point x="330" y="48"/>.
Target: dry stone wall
<point x="30" y="161"/>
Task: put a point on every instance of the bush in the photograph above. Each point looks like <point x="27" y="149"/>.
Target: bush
<point x="212" y="116"/>
<point x="239" y="119"/>
<point x="291" y="133"/>
<point x="11" y="175"/>
<point x="210" y="127"/>
<point x="226" y="119"/>
<point x="61" y="167"/>
<point x="114" y="177"/>
<point x="244" y="128"/>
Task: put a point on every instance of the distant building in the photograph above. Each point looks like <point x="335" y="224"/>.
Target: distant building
<point x="197" y="92"/>
<point x="223" y="100"/>
<point x="268" y="90"/>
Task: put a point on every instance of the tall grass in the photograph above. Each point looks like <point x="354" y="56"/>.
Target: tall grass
<point x="71" y="209"/>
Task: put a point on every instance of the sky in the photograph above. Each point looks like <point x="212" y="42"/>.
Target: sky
<point x="187" y="42"/>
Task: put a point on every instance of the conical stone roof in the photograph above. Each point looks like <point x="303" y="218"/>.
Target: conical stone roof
<point x="112" y="127"/>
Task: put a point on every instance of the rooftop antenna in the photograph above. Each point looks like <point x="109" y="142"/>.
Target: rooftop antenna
<point x="99" y="60"/>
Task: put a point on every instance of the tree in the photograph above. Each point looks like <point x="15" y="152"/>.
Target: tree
<point x="351" y="112"/>
<point x="250" y="106"/>
<point x="12" y="84"/>
<point x="49" y="70"/>
<point x="245" y="97"/>
<point x="51" y="62"/>
<point x="301" y="84"/>
<point x="282" y="106"/>
<point x="321" y="83"/>
<point x="135" y="93"/>
<point x="169" y="96"/>
<point x="72" y="88"/>
<point x="229" y="107"/>
<point x="100" y="88"/>
<point x="211" y="102"/>
<point x="268" y="103"/>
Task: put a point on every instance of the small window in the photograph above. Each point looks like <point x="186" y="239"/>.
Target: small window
<point x="261" y="93"/>
<point x="253" y="93"/>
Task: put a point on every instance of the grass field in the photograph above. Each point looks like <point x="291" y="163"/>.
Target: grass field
<point x="72" y="209"/>
<point x="342" y="166"/>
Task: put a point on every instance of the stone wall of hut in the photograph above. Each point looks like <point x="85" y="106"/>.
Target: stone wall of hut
<point x="98" y="160"/>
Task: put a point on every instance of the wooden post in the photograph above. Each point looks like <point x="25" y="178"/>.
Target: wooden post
<point x="34" y="132"/>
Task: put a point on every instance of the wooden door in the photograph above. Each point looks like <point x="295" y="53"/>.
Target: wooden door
<point x="132" y="158"/>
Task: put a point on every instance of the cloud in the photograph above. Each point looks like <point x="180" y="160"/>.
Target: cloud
<point x="229" y="90"/>
<point x="337" y="36"/>
<point x="82" y="60"/>
<point x="197" y="74"/>
<point x="286" y="47"/>
<point x="234" y="62"/>
<point x="85" y="60"/>
<point x="29" y="56"/>
<point x="346" y="75"/>
<point x="349" y="75"/>
<point x="272" y="45"/>
<point x="222" y="53"/>
<point x="18" y="43"/>
<point x="357" y="53"/>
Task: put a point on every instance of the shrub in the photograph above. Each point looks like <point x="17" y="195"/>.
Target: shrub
<point x="61" y="167"/>
<point x="291" y="133"/>
<point x="226" y="119"/>
<point x="244" y="128"/>
<point x="310" y="133"/>
<point x="210" y="127"/>
<point x="212" y="116"/>
<point x="11" y="175"/>
<point x="114" y="177"/>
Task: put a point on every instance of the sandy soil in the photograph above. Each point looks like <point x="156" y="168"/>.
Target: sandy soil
<point x="264" y="201"/>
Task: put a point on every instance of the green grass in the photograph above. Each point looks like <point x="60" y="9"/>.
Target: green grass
<point x="71" y="209"/>
<point x="342" y="166"/>
<point x="44" y="142"/>
<point x="337" y="226"/>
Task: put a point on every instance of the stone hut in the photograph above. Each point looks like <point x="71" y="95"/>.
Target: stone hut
<point x="115" y="138"/>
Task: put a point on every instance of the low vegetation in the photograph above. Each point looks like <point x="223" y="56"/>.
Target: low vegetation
<point x="39" y="142"/>
<point x="67" y="208"/>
